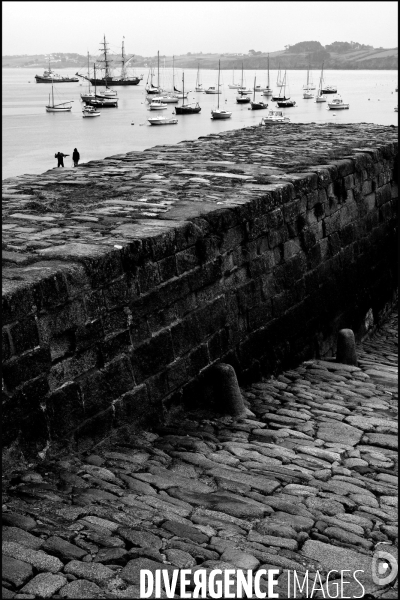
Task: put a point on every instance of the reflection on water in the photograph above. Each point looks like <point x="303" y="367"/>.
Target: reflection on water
<point x="31" y="136"/>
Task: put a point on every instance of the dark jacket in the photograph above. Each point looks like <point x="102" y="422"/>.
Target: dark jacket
<point x="75" y="155"/>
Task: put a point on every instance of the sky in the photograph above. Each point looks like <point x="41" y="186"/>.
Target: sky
<point x="181" y="27"/>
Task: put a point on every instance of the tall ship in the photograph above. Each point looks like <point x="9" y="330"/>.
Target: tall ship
<point x="107" y="77"/>
<point x="49" y="77"/>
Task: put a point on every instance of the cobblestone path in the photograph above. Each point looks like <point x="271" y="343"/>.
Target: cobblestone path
<point x="307" y="482"/>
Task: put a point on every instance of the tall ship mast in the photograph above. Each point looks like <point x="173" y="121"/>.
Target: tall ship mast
<point x="108" y="78"/>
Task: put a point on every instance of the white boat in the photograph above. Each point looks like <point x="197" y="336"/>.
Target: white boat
<point x="57" y="108"/>
<point x="243" y="97"/>
<point x="150" y="87"/>
<point x="275" y="116"/>
<point x="309" y="87"/>
<point x="157" y="105"/>
<point x="219" y="113"/>
<point x="162" y="121"/>
<point x="337" y="103"/>
<point x="212" y="90"/>
<point x="267" y="90"/>
<point x="166" y="99"/>
<point x="233" y="85"/>
<point x="89" y="111"/>
<point x="319" y="95"/>
<point x="198" y="86"/>
<point x="99" y="100"/>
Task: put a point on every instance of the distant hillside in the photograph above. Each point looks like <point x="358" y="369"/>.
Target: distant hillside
<point x="339" y="55"/>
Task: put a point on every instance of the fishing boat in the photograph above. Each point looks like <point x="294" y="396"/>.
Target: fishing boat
<point x="157" y="105"/>
<point x="257" y="105"/>
<point x="90" y="111"/>
<point x="308" y="87"/>
<point x="198" y="86"/>
<point x="187" y="109"/>
<point x="337" y="103"/>
<point x="242" y="98"/>
<point x="233" y="85"/>
<point x="319" y="96"/>
<point x="267" y="90"/>
<point x="57" y="108"/>
<point x="121" y="80"/>
<point x="49" y="77"/>
<point x="285" y="102"/>
<point x="220" y="113"/>
<point x="162" y="121"/>
<point x="275" y="116"/>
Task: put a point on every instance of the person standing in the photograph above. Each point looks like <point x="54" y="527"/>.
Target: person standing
<point x="60" y="158"/>
<point x="75" y="157"/>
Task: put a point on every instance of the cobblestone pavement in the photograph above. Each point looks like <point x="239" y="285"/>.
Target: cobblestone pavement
<point x="308" y="481"/>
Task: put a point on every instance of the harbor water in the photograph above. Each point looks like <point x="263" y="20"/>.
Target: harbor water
<point x="31" y="136"/>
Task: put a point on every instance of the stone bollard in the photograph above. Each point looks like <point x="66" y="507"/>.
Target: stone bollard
<point x="346" y="348"/>
<point x="227" y="389"/>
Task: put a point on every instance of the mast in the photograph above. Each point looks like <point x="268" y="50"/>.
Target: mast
<point x="242" y="76"/>
<point x="123" y="74"/>
<point x="183" y="88"/>
<point x="106" y="61"/>
<point x="173" y="72"/>
<point x="158" y="69"/>
<point x="219" y="66"/>
<point x="52" y="93"/>
<point x="94" y="70"/>
<point x="268" y="71"/>
<point x="254" y="90"/>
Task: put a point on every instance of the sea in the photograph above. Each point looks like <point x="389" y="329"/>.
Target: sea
<point x="31" y="136"/>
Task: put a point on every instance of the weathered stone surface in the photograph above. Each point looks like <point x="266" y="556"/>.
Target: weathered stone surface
<point x="339" y="432"/>
<point x="63" y="549"/>
<point x="15" y="571"/>
<point x="131" y="572"/>
<point x="44" y="585"/>
<point x="91" y="571"/>
<point x="81" y="588"/>
<point x="38" y="559"/>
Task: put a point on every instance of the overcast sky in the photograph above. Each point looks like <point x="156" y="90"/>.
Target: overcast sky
<point x="181" y="27"/>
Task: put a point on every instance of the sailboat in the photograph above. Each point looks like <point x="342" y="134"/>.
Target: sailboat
<point x="186" y="109"/>
<point x="167" y="98"/>
<point x="233" y="85"/>
<point x="199" y="86"/>
<point x="220" y="113"/>
<point x="175" y="92"/>
<point x="242" y="98"/>
<point x="100" y="101"/>
<point x="267" y="90"/>
<point x="279" y="84"/>
<point x="319" y="96"/>
<point x="257" y="105"/>
<point x="122" y="79"/>
<point x="60" y="107"/>
<point x="286" y="102"/>
<point x="308" y="87"/>
<point x="150" y="87"/>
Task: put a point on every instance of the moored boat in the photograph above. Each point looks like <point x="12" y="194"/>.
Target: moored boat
<point x="123" y="79"/>
<point x="90" y="111"/>
<point x="257" y="105"/>
<point x="329" y="89"/>
<point x="285" y="102"/>
<point x="199" y="86"/>
<point x="49" y="77"/>
<point x="337" y="103"/>
<point x="157" y="105"/>
<point x="275" y="116"/>
<point x="212" y="90"/>
<point x="219" y="113"/>
<point x="162" y="121"/>
<point x="187" y="109"/>
<point x="57" y="108"/>
<point x="267" y="90"/>
<point x="319" y="95"/>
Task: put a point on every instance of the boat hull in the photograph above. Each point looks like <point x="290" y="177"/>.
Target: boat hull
<point x="286" y="104"/>
<point x="216" y="115"/>
<point x="53" y="109"/>
<point x="329" y="91"/>
<point x="40" y="79"/>
<point x="338" y="106"/>
<point x="187" y="110"/>
<point x="162" y="121"/>
<point x="244" y="100"/>
<point x="258" y="105"/>
<point x="120" y="82"/>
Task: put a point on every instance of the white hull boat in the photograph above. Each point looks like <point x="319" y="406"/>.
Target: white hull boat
<point x="275" y="116"/>
<point x="89" y="111"/>
<point x="57" y="108"/>
<point x="218" y="113"/>
<point x="212" y="90"/>
<point x="165" y="99"/>
<point x="320" y="96"/>
<point x="162" y="121"/>
<point x="158" y="105"/>
<point x="337" y="103"/>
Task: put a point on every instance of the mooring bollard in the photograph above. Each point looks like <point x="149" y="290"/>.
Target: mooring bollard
<point x="346" y="347"/>
<point x="230" y="397"/>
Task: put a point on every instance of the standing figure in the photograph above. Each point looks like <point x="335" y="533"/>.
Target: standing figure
<point x="60" y="158"/>
<point x="75" y="157"/>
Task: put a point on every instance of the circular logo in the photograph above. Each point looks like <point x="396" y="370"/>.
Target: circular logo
<point x="384" y="568"/>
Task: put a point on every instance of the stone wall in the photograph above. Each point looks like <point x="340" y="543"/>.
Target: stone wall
<point x="274" y="240"/>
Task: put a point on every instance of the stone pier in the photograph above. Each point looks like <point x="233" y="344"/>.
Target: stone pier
<point x="126" y="279"/>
